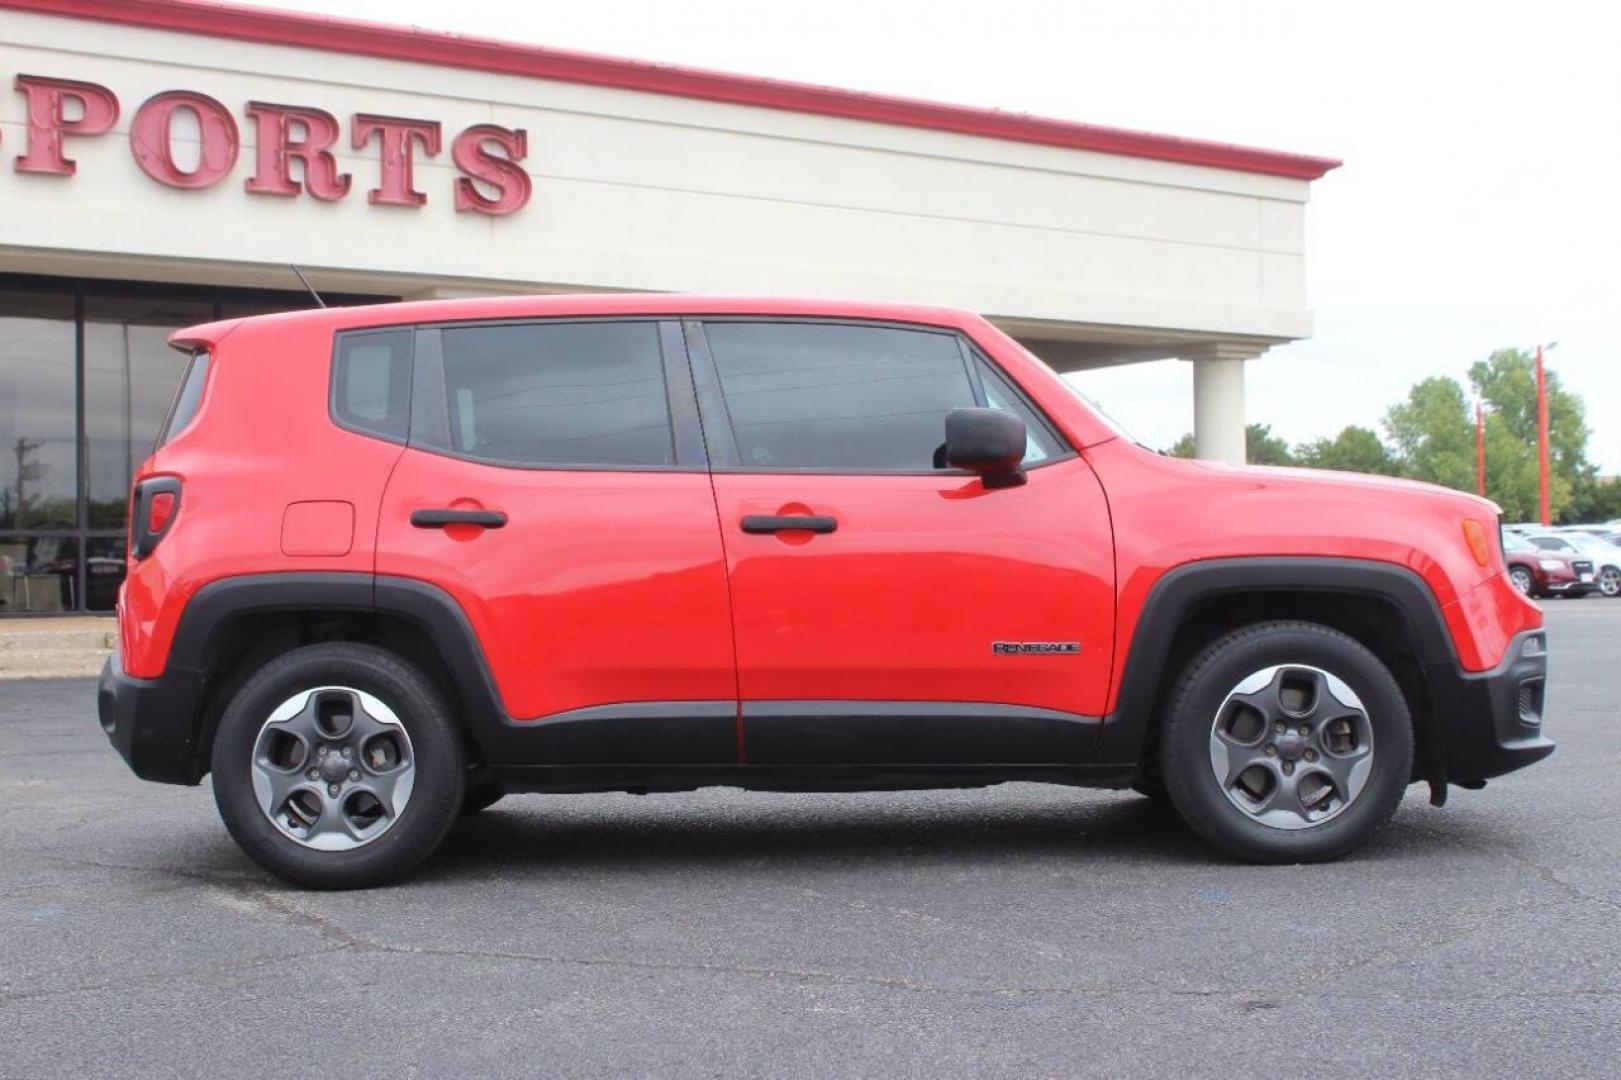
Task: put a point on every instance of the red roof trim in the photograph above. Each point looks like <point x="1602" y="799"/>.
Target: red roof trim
<point x="482" y="54"/>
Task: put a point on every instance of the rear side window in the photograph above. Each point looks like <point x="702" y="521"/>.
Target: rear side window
<point x="371" y="383"/>
<point x="561" y="394"/>
<point x="189" y="397"/>
<point x="825" y="396"/>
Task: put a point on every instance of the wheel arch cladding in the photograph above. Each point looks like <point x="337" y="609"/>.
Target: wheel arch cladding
<point x="1386" y="607"/>
<point x="234" y="625"/>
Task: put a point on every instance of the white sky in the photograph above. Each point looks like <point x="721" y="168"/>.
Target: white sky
<point x="1479" y="204"/>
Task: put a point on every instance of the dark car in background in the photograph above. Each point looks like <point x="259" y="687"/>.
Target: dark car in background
<point x="1536" y="572"/>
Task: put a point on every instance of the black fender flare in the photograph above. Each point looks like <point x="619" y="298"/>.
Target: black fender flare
<point x="1125" y="732"/>
<point x="191" y="674"/>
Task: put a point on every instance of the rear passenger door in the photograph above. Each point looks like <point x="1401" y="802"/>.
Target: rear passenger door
<point x="555" y="485"/>
<point x="897" y="634"/>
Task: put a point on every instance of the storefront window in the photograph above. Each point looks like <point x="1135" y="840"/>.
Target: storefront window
<point x="39" y="465"/>
<point x="66" y="461"/>
<point x="38" y="574"/>
<point x="130" y="377"/>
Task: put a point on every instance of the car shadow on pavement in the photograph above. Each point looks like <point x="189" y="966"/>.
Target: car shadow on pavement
<point x="519" y="833"/>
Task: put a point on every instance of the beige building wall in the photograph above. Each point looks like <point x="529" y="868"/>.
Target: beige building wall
<point x="1089" y="257"/>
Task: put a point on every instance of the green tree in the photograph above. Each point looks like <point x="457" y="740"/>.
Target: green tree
<point x="1182" y="447"/>
<point x="1506" y="381"/>
<point x="1354" y="449"/>
<point x="1433" y="436"/>
<point x="1261" y="447"/>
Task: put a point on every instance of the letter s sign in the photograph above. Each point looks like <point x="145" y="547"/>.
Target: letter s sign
<point x="473" y="153"/>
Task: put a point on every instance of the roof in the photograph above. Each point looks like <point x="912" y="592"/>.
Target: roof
<point x="332" y="34"/>
<point x="585" y="305"/>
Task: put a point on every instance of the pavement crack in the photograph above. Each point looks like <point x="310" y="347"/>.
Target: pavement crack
<point x="1547" y="873"/>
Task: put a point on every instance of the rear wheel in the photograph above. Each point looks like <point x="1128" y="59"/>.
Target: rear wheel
<point x="1286" y="742"/>
<point x="338" y="766"/>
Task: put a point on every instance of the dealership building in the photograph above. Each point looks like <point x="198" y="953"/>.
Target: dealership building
<point x="162" y="162"/>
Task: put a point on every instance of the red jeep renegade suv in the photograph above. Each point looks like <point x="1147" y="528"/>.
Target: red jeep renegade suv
<point x="390" y="563"/>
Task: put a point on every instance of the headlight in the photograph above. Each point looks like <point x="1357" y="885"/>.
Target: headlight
<point x="1550" y="564"/>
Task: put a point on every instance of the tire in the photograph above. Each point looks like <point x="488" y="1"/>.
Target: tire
<point x="1521" y="578"/>
<point x="1609" y="581"/>
<point x="1360" y="744"/>
<point x="397" y="746"/>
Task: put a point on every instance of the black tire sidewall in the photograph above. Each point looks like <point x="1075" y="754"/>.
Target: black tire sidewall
<point x="1204" y="686"/>
<point x="436" y="794"/>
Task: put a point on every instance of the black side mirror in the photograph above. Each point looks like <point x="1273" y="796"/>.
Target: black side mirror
<point x="986" y="441"/>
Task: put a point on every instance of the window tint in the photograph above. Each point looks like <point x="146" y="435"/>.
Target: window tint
<point x="804" y="395"/>
<point x="1039" y="443"/>
<point x="371" y="382"/>
<point x="187" y="398"/>
<point x="556" y="394"/>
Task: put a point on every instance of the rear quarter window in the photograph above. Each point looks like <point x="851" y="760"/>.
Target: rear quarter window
<point x="371" y="383"/>
<point x="186" y="400"/>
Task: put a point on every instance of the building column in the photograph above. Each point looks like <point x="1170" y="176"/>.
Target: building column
<point x="1218" y="398"/>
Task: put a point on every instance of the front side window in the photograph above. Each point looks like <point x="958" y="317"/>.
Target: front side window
<point x="835" y="397"/>
<point x="1039" y="443"/>
<point x="569" y="394"/>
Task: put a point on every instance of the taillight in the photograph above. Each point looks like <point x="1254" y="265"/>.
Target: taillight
<point x="156" y="503"/>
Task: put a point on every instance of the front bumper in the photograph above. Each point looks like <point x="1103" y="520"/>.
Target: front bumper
<point x="150" y="722"/>
<point x="1490" y="723"/>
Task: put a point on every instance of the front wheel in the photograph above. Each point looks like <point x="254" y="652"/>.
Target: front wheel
<point x="1286" y="742"/>
<point x="1520" y="577"/>
<point x="1609" y="581"/>
<point x="338" y="766"/>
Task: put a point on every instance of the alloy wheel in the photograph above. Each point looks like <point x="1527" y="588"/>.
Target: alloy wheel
<point x="1291" y="746"/>
<point x="333" y="768"/>
<point x="1609" y="581"/>
<point x="1521" y="577"/>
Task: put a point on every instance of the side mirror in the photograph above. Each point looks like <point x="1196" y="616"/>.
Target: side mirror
<point x="986" y="441"/>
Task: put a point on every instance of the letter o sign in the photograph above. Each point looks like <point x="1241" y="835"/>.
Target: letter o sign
<point x="151" y="139"/>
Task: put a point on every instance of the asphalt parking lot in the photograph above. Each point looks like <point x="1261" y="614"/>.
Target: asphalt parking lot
<point x="1018" y="930"/>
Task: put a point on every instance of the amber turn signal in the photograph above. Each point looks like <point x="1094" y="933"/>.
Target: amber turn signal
<point x="1474" y="533"/>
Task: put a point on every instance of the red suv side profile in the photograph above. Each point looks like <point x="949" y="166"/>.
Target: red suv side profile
<point x="390" y="563"/>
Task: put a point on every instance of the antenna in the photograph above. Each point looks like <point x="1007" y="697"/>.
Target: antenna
<point x="306" y="282"/>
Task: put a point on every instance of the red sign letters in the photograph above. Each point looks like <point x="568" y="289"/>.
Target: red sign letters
<point x="487" y="157"/>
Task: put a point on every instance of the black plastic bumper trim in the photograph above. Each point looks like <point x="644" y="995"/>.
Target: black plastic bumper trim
<point x="913" y="733"/>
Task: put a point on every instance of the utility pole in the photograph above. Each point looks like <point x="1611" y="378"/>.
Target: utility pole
<point x="1542" y="435"/>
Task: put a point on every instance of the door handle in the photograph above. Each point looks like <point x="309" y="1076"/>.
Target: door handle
<point x="770" y="523"/>
<point x="438" y="519"/>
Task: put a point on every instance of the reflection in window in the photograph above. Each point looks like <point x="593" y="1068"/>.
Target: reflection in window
<point x="38" y="574"/>
<point x="39" y="465"/>
<point x="130" y="377"/>
<point x="829" y="396"/>
<point x="556" y="394"/>
<point x="103" y="572"/>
